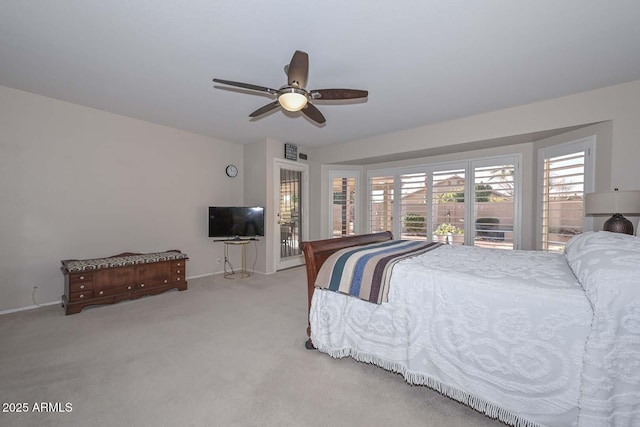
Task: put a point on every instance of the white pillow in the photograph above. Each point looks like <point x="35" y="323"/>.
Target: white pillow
<point x="601" y="258"/>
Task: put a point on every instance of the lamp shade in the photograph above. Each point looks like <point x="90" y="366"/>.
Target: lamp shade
<point x="292" y="99"/>
<point x="612" y="202"/>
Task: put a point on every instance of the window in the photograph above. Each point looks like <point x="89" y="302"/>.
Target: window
<point x="494" y="208"/>
<point x="343" y="204"/>
<point x="565" y="175"/>
<point x="381" y="203"/>
<point x="471" y="202"/>
<point x="413" y="205"/>
<point x="448" y="204"/>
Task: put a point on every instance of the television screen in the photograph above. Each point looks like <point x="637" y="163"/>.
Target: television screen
<point x="227" y="221"/>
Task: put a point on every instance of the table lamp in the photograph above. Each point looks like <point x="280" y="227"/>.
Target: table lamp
<point x="616" y="203"/>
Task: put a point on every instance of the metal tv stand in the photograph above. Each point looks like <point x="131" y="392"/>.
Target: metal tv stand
<point x="243" y="273"/>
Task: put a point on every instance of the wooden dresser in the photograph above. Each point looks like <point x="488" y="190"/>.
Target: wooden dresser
<point x="121" y="277"/>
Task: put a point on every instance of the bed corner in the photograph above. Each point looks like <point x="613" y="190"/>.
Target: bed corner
<point x="316" y="253"/>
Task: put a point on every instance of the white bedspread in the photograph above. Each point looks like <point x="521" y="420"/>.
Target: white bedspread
<point x="502" y="331"/>
<point x="608" y="266"/>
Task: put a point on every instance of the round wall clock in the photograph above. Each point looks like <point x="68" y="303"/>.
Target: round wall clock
<point x="232" y="171"/>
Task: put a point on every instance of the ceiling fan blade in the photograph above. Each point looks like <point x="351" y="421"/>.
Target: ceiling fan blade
<point x="332" y="94"/>
<point x="313" y="113"/>
<point x="246" y="86"/>
<point x="260" y="111"/>
<point x="298" y="69"/>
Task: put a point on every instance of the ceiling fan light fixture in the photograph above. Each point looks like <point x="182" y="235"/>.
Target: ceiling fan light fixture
<point x="292" y="99"/>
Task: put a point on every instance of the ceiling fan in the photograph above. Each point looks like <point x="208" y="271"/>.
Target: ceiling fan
<point x="293" y="96"/>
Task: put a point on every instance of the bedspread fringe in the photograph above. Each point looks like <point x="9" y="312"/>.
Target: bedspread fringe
<point x="415" y="378"/>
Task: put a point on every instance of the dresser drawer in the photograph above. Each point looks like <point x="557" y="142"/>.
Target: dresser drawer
<point x="113" y="290"/>
<point x="80" y="286"/>
<point x="177" y="271"/>
<point x="153" y="282"/>
<point x="146" y="285"/>
<point x="80" y="277"/>
<point x="80" y="296"/>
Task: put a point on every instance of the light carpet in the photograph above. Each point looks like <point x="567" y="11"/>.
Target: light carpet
<point x="224" y="353"/>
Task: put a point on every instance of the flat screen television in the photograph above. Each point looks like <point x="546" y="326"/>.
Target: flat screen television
<point x="236" y="221"/>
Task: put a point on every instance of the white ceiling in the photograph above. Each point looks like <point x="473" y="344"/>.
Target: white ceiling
<point x="422" y="61"/>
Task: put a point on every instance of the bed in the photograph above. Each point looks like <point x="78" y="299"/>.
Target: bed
<point x="527" y="337"/>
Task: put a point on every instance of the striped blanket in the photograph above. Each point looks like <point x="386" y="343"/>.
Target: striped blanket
<point x="365" y="271"/>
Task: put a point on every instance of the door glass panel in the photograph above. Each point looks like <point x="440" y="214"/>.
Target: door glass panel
<point x="290" y="219"/>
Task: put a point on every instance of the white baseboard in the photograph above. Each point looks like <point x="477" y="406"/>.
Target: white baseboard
<point x="29" y="307"/>
<point x="200" y="275"/>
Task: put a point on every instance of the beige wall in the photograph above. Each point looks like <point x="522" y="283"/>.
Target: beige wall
<point x="77" y="183"/>
<point x="258" y="190"/>
<point x="619" y="141"/>
<point x="255" y="189"/>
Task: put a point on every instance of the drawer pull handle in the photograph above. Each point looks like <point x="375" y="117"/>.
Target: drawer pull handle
<point x="81" y="295"/>
<point x="179" y="264"/>
<point x="129" y="287"/>
<point x="178" y="271"/>
<point x="81" y="277"/>
<point x="101" y="292"/>
<point x="178" y="278"/>
<point x="142" y="285"/>
<point x="165" y="280"/>
<point x="81" y="286"/>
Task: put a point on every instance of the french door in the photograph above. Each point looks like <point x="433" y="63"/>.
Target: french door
<point x="290" y="190"/>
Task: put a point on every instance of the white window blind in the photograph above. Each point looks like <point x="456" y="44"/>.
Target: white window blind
<point x="494" y="206"/>
<point x="565" y="175"/>
<point x="413" y="206"/>
<point x="381" y="203"/>
<point x="441" y="202"/>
